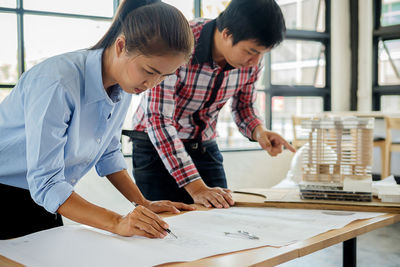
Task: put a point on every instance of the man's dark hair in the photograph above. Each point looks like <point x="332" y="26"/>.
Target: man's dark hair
<point x="259" y="20"/>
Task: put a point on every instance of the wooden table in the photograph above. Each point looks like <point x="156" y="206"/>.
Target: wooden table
<point x="289" y="198"/>
<point x="270" y="256"/>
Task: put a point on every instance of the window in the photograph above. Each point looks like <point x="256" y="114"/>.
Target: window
<point x="386" y="87"/>
<point x="304" y="15"/>
<point x="41" y="29"/>
<point x="185" y="6"/>
<point x="102" y="8"/>
<point x="8" y="3"/>
<point x="390" y="103"/>
<point x="297" y="62"/>
<point x="283" y="107"/>
<point x="229" y="137"/>
<point x="389" y="62"/>
<point x="297" y="77"/>
<point x="8" y="51"/>
<point x="390" y="12"/>
<point x="211" y="8"/>
<point x="42" y="41"/>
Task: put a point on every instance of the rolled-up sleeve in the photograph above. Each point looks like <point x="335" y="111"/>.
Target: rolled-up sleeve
<point x="47" y="114"/>
<point x="244" y="112"/>
<point x="163" y="134"/>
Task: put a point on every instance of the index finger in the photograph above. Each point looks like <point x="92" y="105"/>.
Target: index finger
<point x="154" y="217"/>
<point x="288" y="146"/>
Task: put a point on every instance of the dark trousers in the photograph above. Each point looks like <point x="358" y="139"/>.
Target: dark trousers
<point x="154" y="180"/>
<point x="20" y="215"/>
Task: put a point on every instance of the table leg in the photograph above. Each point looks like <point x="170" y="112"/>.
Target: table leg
<point x="350" y="253"/>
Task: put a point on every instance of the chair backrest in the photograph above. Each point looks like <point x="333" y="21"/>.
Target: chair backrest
<point x="298" y="140"/>
<point x="392" y="123"/>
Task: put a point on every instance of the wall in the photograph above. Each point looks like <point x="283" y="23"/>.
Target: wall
<point x="365" y="21"/>
<point x="255" y="168"/>
<point x="341" y="55"/>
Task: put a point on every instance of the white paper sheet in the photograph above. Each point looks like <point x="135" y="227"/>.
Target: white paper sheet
<point x="200" y="234"/>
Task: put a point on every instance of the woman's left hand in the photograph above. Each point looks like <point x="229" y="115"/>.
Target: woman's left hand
<point x="166" y="205"/>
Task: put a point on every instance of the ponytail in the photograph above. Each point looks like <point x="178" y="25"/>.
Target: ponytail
<point x="150" y="27"/>
<point x="124" y="9"/>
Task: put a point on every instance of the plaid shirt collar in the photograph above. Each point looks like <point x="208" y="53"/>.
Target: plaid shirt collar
<point x="203" y="51"/>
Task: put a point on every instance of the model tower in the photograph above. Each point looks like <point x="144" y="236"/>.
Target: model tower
<point x="337" y="163"/>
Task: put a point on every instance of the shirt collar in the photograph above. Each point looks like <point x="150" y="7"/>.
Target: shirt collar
<point x="94" y="88"/>
<point x="203" y="51"/>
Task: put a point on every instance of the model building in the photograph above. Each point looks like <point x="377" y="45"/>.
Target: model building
<point x="337" y="162"/>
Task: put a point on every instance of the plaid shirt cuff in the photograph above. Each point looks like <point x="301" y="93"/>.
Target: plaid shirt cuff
<point x="251" y="126"/>
<point x="186" y="175"/>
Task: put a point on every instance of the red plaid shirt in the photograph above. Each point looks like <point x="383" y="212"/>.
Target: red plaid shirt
<point x="186" y="105"/>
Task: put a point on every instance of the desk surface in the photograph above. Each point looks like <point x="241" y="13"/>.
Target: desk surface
<point x="267" y="256"/>
<point x="289" y="198"/>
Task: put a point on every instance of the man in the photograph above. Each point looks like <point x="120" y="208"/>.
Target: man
<point x="175" y="155"/>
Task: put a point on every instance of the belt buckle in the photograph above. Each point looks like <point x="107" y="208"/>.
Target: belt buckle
<point x="194" y="145"/>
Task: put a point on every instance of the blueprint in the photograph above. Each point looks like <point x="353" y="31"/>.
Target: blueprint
<point x="200" y="234"/>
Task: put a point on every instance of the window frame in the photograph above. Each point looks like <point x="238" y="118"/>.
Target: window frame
<point x="20" y="11"/>
<point x="272" y="90"/>
<point x="381" y="33"/>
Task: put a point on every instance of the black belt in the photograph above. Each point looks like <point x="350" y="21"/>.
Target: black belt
<point x="192" y="144"/>
<point x="136" y="135"/>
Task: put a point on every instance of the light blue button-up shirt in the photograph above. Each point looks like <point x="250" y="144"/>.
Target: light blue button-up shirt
<point x="59" y="122"/>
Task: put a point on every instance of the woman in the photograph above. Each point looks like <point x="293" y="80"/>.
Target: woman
<point x="65" y="115"/>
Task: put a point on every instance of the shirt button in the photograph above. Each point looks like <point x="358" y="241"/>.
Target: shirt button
<point x="73" y="181"/>
<point x="98" y="140"/>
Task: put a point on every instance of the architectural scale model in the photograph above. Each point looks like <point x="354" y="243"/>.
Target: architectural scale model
<point x="337" y="163"/>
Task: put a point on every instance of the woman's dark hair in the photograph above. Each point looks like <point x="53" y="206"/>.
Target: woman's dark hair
<point x="150" y="27"/>
<point x="259" y="20"/>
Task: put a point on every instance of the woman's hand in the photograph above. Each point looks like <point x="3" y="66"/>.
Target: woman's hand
<point x="143" y="222"/>
<point x="166" y="205"/>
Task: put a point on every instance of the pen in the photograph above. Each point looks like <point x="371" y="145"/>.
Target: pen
<point x="167" y="230"/>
